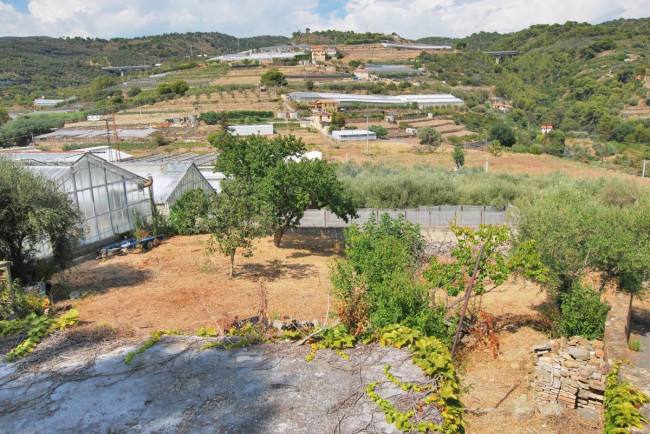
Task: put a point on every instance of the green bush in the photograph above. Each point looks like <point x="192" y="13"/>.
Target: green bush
<point x="189" y="214"/>
<point x="375" y="284"/>
<point x="582" y="313"/>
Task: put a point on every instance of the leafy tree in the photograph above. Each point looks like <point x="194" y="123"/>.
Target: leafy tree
<point x="165" y="89"/>
<point x="235" y="222"/>
<point x="273" y="77"/>
<point x="4" y="116"/>
<point x="210" y="118"/>
<point x="134" y="91"/>
<point x="33" y="210"/>
<point x="494" y="147"/>
<point x="102" y="82"/>
<point x="248" y="159"/>
<point x="179" y="87"/>
<point x="503" y="134"/>
<point x="287" y="188"/>
<point x="429" y="136"/>
<point x="379" y="130"/>
<point x="338" y="121"/>
<point x="458" y="157"/>
<point x="583" y="232"/>
<point x="309" y="85"/>
<point x="188" y="216"/>
<point x="290" y="188"/>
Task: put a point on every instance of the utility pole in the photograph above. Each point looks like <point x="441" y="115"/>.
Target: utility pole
<point x="367" y="134"/>
<point x="115" y="137"/>
<point x="108" y="133"/>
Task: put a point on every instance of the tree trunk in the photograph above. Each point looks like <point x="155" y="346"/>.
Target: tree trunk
<point x="232" y="265"/>
<point x="277" y="237"/>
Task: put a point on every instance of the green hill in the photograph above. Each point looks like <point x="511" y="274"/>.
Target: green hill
<point x="42" y="64"/>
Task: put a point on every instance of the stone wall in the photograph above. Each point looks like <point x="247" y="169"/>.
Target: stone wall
<point x="570" y="372"/>
<point x="617" y="328"/>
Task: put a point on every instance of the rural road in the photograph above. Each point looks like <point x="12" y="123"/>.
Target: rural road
<point x="175" y="387"/>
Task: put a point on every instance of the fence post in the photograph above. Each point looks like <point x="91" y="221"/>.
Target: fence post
<point x="325" y="218"/>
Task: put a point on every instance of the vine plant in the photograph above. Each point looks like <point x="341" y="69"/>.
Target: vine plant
<point x="622" y="404"/>
<point x="36" y="327"/>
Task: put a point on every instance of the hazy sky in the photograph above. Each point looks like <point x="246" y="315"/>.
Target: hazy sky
<point x="409" y="18"/>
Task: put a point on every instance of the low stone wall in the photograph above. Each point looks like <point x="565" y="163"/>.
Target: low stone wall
<point x="617" y="328"/>
<point x="570" y="372"/>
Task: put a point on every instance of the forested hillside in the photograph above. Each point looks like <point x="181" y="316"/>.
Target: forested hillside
<point x="41" y="64"/>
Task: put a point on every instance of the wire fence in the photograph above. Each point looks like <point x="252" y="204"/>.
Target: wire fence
<point x="431" y="216"/>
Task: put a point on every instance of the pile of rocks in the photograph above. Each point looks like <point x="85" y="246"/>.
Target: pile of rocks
<point x="290" y="324"/>
<point x="571" y="372"/>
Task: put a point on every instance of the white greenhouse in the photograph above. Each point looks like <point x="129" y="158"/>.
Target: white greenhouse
<point x="108" y="198"/>
<point x="170" y="180"/>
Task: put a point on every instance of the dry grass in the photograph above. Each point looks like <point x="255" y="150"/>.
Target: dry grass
<point x="496" y="383"/>
<point x="179" y="285"/>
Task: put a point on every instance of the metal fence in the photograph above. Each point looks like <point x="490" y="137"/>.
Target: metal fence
<point x="429" y="216"/>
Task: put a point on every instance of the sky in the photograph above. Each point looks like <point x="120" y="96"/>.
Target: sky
<point x="241" y="18"/>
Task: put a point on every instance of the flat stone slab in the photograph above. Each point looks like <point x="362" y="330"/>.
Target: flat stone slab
<point x="175" y="387"/>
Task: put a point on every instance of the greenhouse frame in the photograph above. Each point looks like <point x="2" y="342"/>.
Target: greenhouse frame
<point x="170" y="180"/>
<point x="109" y="199"/>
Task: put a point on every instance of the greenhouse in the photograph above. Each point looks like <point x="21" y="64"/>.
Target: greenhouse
<point x="170" y="179"/>
<point x="108" y="198"/>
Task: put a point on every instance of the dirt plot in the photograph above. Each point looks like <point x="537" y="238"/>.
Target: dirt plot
<point x="493" y="384"/>
<point x="179" y="285"/>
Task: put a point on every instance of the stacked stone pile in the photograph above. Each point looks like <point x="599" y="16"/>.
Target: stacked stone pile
<point x="571" y="372"/>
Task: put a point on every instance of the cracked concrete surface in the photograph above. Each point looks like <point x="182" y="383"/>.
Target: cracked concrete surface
<point x="175" y="387"/>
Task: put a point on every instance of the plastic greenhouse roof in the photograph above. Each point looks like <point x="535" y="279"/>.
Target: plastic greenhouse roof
<point x="377" y="99"/>
<point x="166" y="176"/>
<point x="45" y="157"/>
<point x="52" y="172"/>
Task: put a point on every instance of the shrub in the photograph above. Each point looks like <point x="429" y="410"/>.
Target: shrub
<point x="375" y="284"/>
<point x="189" y="214"/>
<point x="582" y="313"/>
<point x="429" y="136"/>
<point x="379" y="130"/>
<point x="160" y="140"/>
<point x="503" y="134"/>
<point x="134" y="91"/>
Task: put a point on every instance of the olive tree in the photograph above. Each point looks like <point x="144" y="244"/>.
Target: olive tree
<point x="429" y="136"/>
<point x="34" y="212"/>
<point x="275" y="175"/>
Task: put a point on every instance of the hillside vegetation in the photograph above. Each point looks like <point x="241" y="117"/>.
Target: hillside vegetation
<point x="43" y="64"/>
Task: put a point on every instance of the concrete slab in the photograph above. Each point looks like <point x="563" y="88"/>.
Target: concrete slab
<point x="176" y="387"/>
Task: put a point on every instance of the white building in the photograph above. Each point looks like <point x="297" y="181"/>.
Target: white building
<point x="248" y="130"/>
<point x="353" y="135"/>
